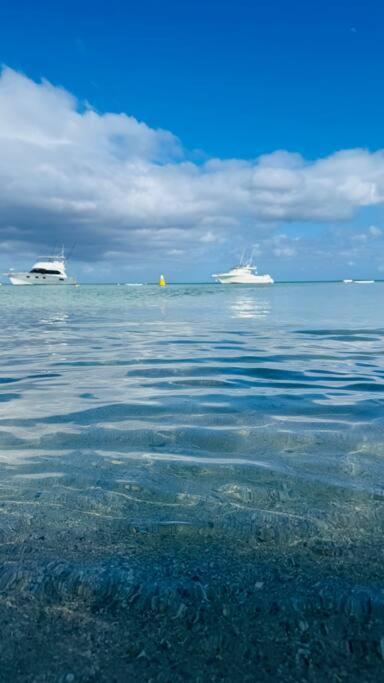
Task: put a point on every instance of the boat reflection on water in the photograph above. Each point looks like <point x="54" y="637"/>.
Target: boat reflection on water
<point x="250" y="306"/>
<point x="57" y="319"/>
<point x="55" y="334"/>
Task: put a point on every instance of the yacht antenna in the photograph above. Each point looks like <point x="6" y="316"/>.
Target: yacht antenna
<point x="71" y="250"/>
<point x="242" y="257"/>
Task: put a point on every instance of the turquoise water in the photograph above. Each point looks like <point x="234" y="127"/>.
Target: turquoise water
<point x="191" y="483"/>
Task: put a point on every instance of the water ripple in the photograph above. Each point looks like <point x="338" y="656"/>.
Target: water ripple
<point x="201" y="465"/>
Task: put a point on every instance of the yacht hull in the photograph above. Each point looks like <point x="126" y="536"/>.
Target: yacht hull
<point x="42" y="280"/>
<point x="241" y="280"/>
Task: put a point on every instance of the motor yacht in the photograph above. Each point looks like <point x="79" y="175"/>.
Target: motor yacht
<point x="48" y="270"/>
<point x="243" y="275"/>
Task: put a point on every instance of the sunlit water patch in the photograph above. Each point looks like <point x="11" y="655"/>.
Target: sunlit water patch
<point x="191" y="483"/>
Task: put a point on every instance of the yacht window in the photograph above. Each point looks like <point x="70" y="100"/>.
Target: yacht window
<point x="45" y="271"/>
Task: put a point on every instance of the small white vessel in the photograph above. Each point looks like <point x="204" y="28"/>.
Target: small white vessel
<point x="48" y="270"/>
<point x="348" y="282"/>
<point x="364" y="282"/>
<point x="243" y="275"/>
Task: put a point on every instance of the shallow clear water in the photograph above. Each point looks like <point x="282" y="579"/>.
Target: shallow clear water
<point x="191" y="482"/>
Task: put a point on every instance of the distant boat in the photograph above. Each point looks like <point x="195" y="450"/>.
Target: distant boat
<point x="243" y="275"/>
<point x="162" y="282"/>
<point x="48" y="270"/>
<point x="133" y="284"/>
<point x="359" y="282"/>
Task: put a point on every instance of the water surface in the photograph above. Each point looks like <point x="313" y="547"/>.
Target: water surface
<point x="191" y="483"/>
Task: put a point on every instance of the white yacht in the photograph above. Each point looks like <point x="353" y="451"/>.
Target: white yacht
<point x="48" y="270"/>
<point x="359" y="282"/>
<point x="243" y="275"/>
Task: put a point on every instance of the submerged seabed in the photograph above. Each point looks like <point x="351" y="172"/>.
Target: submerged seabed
<point x="191" y="483"/>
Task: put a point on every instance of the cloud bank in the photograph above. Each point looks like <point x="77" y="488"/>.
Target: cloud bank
<point x="114" y="185"/>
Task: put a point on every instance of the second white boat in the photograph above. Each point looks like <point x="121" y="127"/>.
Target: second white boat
<point x="243" y="275"/>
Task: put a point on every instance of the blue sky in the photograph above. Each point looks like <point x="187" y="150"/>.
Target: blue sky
<point x="228" y="80"/>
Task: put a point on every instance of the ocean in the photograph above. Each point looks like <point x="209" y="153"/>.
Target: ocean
<point x="192" y="483"/>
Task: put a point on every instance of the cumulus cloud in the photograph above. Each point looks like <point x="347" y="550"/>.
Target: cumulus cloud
<point x="375" y="231"/>
<point x="114" y="185"/>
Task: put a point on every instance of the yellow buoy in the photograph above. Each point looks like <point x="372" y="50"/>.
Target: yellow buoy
<point x="162" y="282"/>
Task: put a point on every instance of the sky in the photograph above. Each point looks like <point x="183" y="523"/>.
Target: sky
<point x="175" y="136"/>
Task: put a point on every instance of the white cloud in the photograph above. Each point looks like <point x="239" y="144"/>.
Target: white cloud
<point x="374" y="231"/>
<point x="286" y="252"/>
<point x="115" y="185"/>
<point x="208" y="237"/>
<point x="282" y="245"/>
